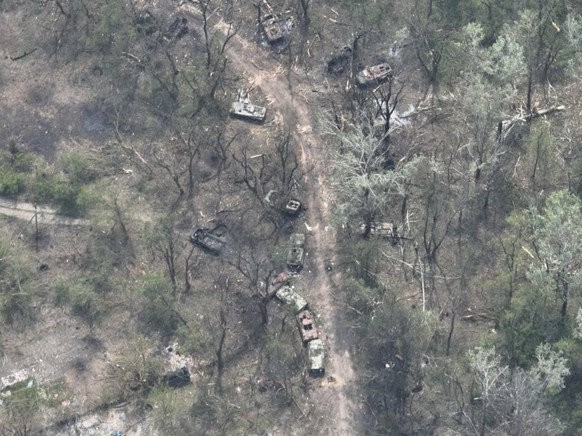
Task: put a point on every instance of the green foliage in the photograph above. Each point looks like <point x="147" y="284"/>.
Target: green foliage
<point x="81" y="295"/>
<point x="15" y="286"/>
<point x="158" y="313"/>
<point x="13" y="172"/>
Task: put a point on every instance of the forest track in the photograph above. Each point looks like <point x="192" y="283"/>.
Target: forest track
<point x="334" y="399"/>
<point x="46" y="215"/>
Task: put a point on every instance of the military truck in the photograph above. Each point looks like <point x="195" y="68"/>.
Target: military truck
<point x="208" y="241"/>
<point x="244" y="109"/>
<point x="288" y="296"/>
<point x="316" y="354"/>
<point x="296" y="252"/>
<point x="373" y="75"/>
<point x="307" y="328"/>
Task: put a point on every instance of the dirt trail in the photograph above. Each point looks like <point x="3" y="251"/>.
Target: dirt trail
<point x="46" y="215"/>
<point x="334" y="399"/>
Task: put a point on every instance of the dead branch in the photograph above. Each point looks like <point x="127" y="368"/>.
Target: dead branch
<point x="23" y="55"/>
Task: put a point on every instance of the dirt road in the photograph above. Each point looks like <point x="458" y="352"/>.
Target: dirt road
<point x="289" y="103"/>
<point x="46" y="215"/>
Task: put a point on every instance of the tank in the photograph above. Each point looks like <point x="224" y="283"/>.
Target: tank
<point x="316" y="354"/>
<point x="296" y="252"/>
<point x="203" y="238"/>
<point x="307" y="327"/>
<point x="288" y="296"/>
<point x="373" y="75"/>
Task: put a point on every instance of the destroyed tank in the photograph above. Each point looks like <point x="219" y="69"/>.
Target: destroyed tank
<point x="203" y="238"/>
<point x="373" y="75"/>
<point x="296" y="251"/>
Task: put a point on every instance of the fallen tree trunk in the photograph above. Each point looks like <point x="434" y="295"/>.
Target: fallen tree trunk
<point x="506" y="126"/>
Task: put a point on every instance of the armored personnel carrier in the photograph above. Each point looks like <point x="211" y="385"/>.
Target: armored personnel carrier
<point x="296" y="252"/>
<point x="307" y="328"/>
<point x="383" y="230"/>
<point x="316" y="354"/>
<point x="274" y="28"/>
<point x="210" y="242"/>
<point x="244" y="109"/>
<point x="291" y="206"/>
<point x="373" y="75"/>
<point x="288" y="296"/>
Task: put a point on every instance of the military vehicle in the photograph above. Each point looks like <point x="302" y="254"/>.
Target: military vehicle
<point x="177" y="378"/>
<point x="296" y="252"/>
<point x="276" y="282"/>
<point x="243" y="108"/>
<point x="210" y="242"/>
<point x="383" y="230"/>
<point x="373" y="75"/>
<point x="307" y="328"/>
<point x="275" y="28"/>
<point x="288" y="296"/>
<point x="145" y="22"/>
<point x="176" y="30"/>
<point x="339" y="62"/>
<point x="291" y="206"/>
<point x="316" y="354"/>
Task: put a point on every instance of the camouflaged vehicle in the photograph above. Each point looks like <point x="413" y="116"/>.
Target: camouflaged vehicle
<point x="373" y="75"/>
<point x="316" y="354"/>
<point x="244" y="109"/>
<point x="203" y="238"/>
<point x="296" y="252"/>
<point x="288" y="296"/>
<point x="307" y="328"/>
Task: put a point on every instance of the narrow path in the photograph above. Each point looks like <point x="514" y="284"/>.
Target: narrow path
<point x="334" y="399"/>
<point x="46" y="215"/>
